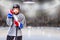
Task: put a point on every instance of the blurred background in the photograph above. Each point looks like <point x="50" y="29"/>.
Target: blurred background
<point x="37" y="12"/>
<point x="42" y="19"/>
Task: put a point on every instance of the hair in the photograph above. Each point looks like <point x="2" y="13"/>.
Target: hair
<point x="16" y="6"/>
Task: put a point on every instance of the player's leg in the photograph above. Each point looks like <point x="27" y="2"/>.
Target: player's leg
<point x="19" y="38"/>
<point x="10" y="37"/>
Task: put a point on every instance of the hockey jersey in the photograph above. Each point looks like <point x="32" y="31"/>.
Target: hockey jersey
<point x="12" y="27"/>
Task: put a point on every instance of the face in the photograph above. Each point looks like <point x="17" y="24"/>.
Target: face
<point x="16" y="10"/>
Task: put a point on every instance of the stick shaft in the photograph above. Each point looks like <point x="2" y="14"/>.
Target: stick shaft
<point x="16" y="33"/>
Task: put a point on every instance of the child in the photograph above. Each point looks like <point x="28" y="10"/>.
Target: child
<point x="13" y="24"/>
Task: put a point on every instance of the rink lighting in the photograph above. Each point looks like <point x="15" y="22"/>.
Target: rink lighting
<point x="29" y="2"/>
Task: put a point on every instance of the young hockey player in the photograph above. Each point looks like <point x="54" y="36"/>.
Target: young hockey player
<point x="15" y="19"/>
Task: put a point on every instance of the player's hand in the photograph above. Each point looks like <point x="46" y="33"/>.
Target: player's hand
<point x="16" y="23"/>
<point x="20" y="25"/>
<point x="10" y="14"/>
<point x="11" y="11"/>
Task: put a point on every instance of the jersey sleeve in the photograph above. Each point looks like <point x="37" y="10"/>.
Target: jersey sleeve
<point x="23" y="21"/>
<point x="9" y="21"/>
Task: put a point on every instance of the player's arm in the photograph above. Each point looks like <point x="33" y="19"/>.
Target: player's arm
<point x="9" y="18"/>
<point x="9" y="21"/>
<point x="23" y="22"/>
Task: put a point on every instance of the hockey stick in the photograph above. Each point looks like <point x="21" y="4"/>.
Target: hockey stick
<point x="16" y="33"/>
<point x="16" y="19"/>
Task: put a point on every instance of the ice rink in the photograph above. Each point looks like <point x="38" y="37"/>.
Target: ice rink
<point x="33" y="33"/>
